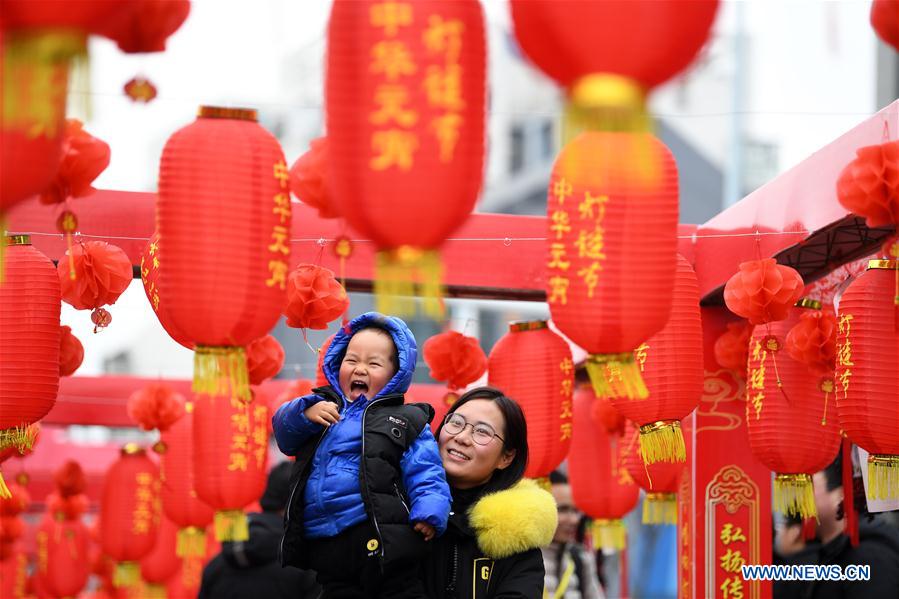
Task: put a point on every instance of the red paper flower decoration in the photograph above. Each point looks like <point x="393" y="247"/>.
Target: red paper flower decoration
<point x="155" y="406"/>
<point x="69" y="479"/>
<point x="763" y="291"/>
<point x="455" y="358"/>
<point x="84" y="157"/>
<point x="314" y="298"/>
<point x="308" y="180"/>
<point x="265" y="358"/>
<point x="603" y="412"/>
<point x="885" y="21"/>
<point x="140" y="90"/>
<point x="812" y="340"/>
<point x="71" y="352"/>
<point x="732" y="347"/>
<point x="102" y="273"/>
<point x="869" y="185"/>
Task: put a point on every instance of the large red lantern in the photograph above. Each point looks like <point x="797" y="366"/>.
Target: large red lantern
<point x="608" y="55"/>
<point x="671" y="365"/>
<point x="659" y="480"/>
<point x="867" y="375"/>
<point x="309" y="179"/>
<point x="793" y="430"/>
<point x="405" y="116"/>
<point x="600" y="484"/>
<point x="885" y="21"/>
<point x="29" y="342"/>
<point x="161" y="564"/>
<point x="146" y="25"/>
<point x="533" y="366"/>
<point x="230" y="453"/>
<point x="129" y="512"/>
<point x="612" y="246"/>
<point x="150" y="268"/>
<point x="224" y="216"/>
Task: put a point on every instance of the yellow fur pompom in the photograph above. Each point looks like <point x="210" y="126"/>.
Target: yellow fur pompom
<point x="512" y="521"/>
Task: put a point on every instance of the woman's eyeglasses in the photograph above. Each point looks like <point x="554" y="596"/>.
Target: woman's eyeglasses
<point x="481" y="433"/>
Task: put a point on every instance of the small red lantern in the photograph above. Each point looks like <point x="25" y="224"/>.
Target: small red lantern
<point x="533" y="366"/>
<point x="71" y="352"/>
<point x="102" y="273"/>
<point x="455" y="358"/>
<point x="223" y="175"/>
<point x="763" y="291"/>
<point x="309" y="179"/>
<point x="84" y="157"/>
<point x="265" y="358"/>
<point x="867" y="375"/>
<point x="150" y="268"/>
<point x="869" y="185"/>
<point x="314" y="298"/>
<point x="405" y="96"/>
<point x="140" y="89"/>
<point x="885" y="21"/>
<point x="156" y="406"/>
<point x="732" y="347"/>
<point x="659" y="480"/>
<point x="612" y="246"/>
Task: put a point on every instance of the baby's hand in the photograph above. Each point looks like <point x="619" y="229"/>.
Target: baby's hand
<point x="324" y="412"/>
<point x="426" y="530"/>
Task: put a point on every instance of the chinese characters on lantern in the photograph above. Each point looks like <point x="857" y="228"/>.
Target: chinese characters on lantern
<point x="280" y="245"/>
<point x="731" y="560"/>
<point x="844" y="352"/>
<point x="443" y="81"/>
<point x="249" y="435"/>
<point x="567" y="410"/>
<point x="147" y="504"/>
<point x="757" y="377"/>
<point x="146" y="269"/>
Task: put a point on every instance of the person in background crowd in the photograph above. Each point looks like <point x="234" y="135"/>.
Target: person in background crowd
<point x="570" y="569"/>
<point x="251" y="568"/>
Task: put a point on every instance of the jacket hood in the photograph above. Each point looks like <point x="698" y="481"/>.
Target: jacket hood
<point x="407" y="351"/>
<point x="262" y="546"/>
<point x="515" y="520"/>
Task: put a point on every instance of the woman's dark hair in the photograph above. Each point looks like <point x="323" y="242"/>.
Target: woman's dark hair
<point x="515" y="437"/>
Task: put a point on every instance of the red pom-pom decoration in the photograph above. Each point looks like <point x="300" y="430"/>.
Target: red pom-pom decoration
<point x="602" y="411"/>
<point x="71" y="352"/>
<point x="155" y="406"/>
<point x="732" y="347"/>
<point x="763" y="291"/>
<point x="265" y="358"/>
<point x="885" y="21"/>
<point x="308" y="180"/>
<point x="102" y="273"/>
<point x="812" y="341"/>
<point x="455" y="358"/>
<point x="69" y="479"/>
<point x="314" y="298"/>
<point x="84" y="157"/>
<point x="869" y="185"/>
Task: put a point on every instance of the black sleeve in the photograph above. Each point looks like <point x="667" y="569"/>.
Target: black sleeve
<point x="884" y="572"/>
<point x="211" y="573"/>
<point x="523" y="578"/>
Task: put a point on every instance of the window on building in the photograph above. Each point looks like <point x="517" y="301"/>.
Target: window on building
<point x="516" y="149"/>
<point x="547" y="140"/>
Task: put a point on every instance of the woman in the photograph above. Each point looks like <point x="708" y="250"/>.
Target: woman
<point x="498" y="521"/>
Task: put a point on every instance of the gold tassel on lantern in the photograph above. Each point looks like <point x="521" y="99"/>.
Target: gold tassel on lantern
<point x="794" y="495"/>
<point x="609" y="534"/>
<point x="660" y="508"/>
<point x="221" y="371"/>
<point x="883" y="476"/>
<point x="126" y="574"/>
<point x="191" y="542"/>
<point x="231" y="525"/>
<point x="662" y="441"/>
<point x="616" y="375"/>
<point x="405" y="272"/>
<point x="605" y="102"/>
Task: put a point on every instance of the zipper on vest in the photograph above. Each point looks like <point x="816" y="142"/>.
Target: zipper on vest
<point x="454" y="571"/>
<point x="362" y="463"/>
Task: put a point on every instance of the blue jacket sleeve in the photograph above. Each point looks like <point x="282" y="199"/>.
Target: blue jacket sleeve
<point x="425" y="482"/>
<point x="290" y="425"/>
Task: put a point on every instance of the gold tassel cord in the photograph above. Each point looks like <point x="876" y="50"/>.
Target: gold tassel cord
<point x="191" y="542"/>
<point x="20" y="437"/>
<point x="660" y="508"/>
<point x="4" y="490"/>
<point x="662" y="441"/>
<point x="605" y="102"/>
<point x="126" y="574"/>
<point x="616" y="375"/>
<point x="221" y="371"/>
<point x="231" y="525"/>
<point x="609" y="534"/>
<point x="883" y="476"/>
<point x="794" y="495"/>
<point x="405" y="272"/>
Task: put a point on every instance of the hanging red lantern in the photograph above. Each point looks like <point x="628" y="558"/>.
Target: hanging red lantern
<point x="603" y="412"/>
<point x="455" y="358"/>
<point x="763" y="291"/>
<point x="265" y="359"/>
<point x="600" y="484"/>
<point x="612" y="246"/>
<point x="793" y="430"/>
<point x="405" y="96"/>
<point x="223" y="175"/>
<point x="71" y="352"/>
<point x="29" y="343"/>
<point x="102" y="273"/>
<point x="309" y="181"/>
<point x="533" y="366"/>
<point x="150" y="265"/>
<point x="129" y="512"/>
<point x="230" y="453"/>
<point x="609" y="55"/>
<point x="320" y="380"/>
<point x="732" y="347"/>
<point x="146" y="25"/>
<point x="867" y="375"/>
<point x="659" y="480"/>
<point x="314" y="298"/>
<point x="869" y="185"/>
<point x="158" y="566"/>
<point x="84" y="157"/>
<point x="671" y="365"/>
<point x="140" y="89"/>
<point x="812" y="340"/>
<point x="885" y="21"/>
<point x="13" y="572"/>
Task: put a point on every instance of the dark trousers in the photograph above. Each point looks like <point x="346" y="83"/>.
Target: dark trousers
<point x="349" y="567"/>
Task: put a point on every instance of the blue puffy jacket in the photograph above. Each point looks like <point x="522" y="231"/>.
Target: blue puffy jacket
<point x="332" y="497"/>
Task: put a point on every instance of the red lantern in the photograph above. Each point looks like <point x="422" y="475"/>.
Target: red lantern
<point x="732" y="347"/>
<point x="533" y="366"/>
<point x="455" y="358"/>
<point x="867" y="376"/>
<point x="71" y="352"/>
<point x="659" y="480"/>
<point x="869" y="185"/>
<point x="102" y="272"/>
<point x="791" y="430"/>
<point x="603" y="412"/>
<point x="609" y="55"/>
<point x="671" y="365"/>
<point x="308" y="179"/>
<point x="230" y="456"/>
<point x="84" y="157"/>
<point x="405" y="117"/>
<point x="600" y="484"/>
<point x="612" y="246"/>
<point x="885" y="21"/>
<point x="140" y="89"/>
<point x="265" y="358"/>
<point x="763" y="291"/>
<point x="158" y="566"/>
<point x="13" y="572"/>
<point x="812" y="341"/>
<point x="224" y="213"/>
<point x="146" y="25"/>
<point x="156" y="406"/>
<point x="150" y="265"/>
<point x="314" y="298"/>
<point x="29" y="343"/>
<point x="320" y="380"/>
<point x="129" y="512"/>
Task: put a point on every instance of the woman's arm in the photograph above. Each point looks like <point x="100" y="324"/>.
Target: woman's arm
<point x="290" y="425"/>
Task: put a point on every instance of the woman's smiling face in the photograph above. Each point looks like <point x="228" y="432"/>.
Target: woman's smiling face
<point x="468" y="464"/>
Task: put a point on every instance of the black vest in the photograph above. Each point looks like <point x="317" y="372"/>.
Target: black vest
<point x="388" y="429"/>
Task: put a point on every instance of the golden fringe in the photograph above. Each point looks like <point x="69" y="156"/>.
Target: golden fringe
<point x="126" y="574"/>
<point x="662" y="441"/>
<point x="191" y="542"/>
<point x="616" y="375"/>
<point x="154" y="591"/>
<point x="543" y="483"/>
<point x="883" y="476"/>
<point x="660" y="508"/>
<point x="794" y="495"/>
<point x="231" y="525"/>
<point x="221" y="371"/>
<point x="20" y="437"/>
<point x="605" y="102"/>
<point x="609" y="534"/>
<point x="402" y="274"/>
<point x="4" y="490"/>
